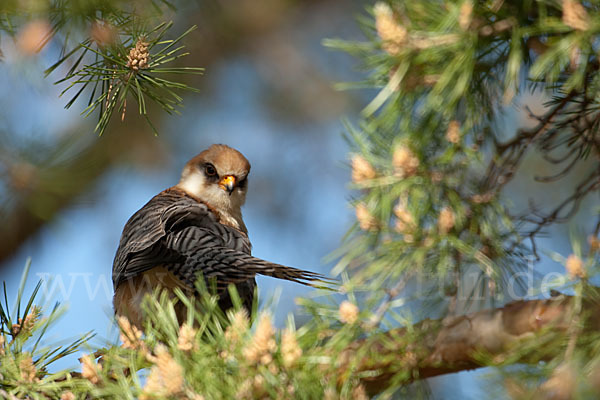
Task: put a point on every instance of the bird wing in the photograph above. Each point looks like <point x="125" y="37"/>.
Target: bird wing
<point x="185" y="237"/>
<point x="142" y="245"/>
<point x="227" y="265"/>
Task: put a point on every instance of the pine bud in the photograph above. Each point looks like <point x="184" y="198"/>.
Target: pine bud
<point x="244" y="390"/>
<point x="290" y="351"/>
<point x="405" y="161"/>
<point x="68" y="395"/>
<point x="130" y="335"/>
<point x="389" y="30"/>
<point x="166" y="376"/>
<point x="89" y="369"/>
<point x="348" y="312"/>
<point x="366" y="221"/>
<point x="574" y="15"/>
<point x="258" y="386"/>
<point x="25" y="326"/>
<point x="31" y="319"/>
<point x="466" y="15"/>
<point x="453" y="132"/>
<point x="238" y="327"/>
<point x="263" y="343"/>
<point x="574" y="267"/>
<point x="102" y="33"/>
<point x="446" y="220"/>
<point x="362" y="170"/>
<point x="27" y="368"/>
<point x="170" y="371"/>
<point x="138" y="56"/>
<point x="187" y="338"/>
<point x="405" y="222"/>
<point x="32" y="38"/>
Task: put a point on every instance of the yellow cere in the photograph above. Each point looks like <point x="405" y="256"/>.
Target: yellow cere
<point x="228" y="182"/>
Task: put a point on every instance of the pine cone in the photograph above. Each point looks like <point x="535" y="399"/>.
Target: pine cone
<point x="138" y="56"/>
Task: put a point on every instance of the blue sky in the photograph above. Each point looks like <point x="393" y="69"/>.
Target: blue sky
<point x="297" y="208"/>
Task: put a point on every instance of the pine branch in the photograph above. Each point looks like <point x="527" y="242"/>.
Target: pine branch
<point x="21" y="222"/>
<point x="460" y="343"/>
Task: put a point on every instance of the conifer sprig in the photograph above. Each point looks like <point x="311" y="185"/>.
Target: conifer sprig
<point x="26" y="359"/>
<point x="130" y="70"/>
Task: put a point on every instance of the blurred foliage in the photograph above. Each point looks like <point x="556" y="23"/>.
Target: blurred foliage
<point x="118" y="72"/>
<point x="338" y="354"/>
<point x="25" y="357"/>
<point x="430" y="163"/>
<point x="211" y="355"/>
<point x="48" y="164"/>
<point x="430" y="158"/>
<point x="116" y="50"/>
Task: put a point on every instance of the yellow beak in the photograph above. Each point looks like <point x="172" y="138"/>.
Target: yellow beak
<point x="227" y="183"/>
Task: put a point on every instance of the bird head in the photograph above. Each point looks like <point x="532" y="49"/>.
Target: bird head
<point x="219" y="177"/>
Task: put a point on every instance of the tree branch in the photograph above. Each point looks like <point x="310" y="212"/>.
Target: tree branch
<point x="453" y="344"/>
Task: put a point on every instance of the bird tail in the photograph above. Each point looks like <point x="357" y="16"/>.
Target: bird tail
<point x="297" y="275"/>
<point x="255" y="266"/>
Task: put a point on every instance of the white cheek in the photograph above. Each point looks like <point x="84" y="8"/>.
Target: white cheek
<point x="193" y="184"/>
<point x="229" y="207"/>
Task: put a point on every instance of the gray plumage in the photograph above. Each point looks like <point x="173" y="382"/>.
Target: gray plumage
<point x="184" y="236"/>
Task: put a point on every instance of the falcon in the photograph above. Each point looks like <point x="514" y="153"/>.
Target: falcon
<point x="191" y="230"/>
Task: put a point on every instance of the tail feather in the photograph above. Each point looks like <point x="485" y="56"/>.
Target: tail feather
<point x="261" y="267"/>
<point x="231" y="266"/>
<point x="292" y="274"/>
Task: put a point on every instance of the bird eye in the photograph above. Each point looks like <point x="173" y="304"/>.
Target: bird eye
<point x="210" y="170"/>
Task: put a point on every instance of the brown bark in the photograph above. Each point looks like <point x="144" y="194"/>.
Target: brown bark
<point x="435" y="347"/>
